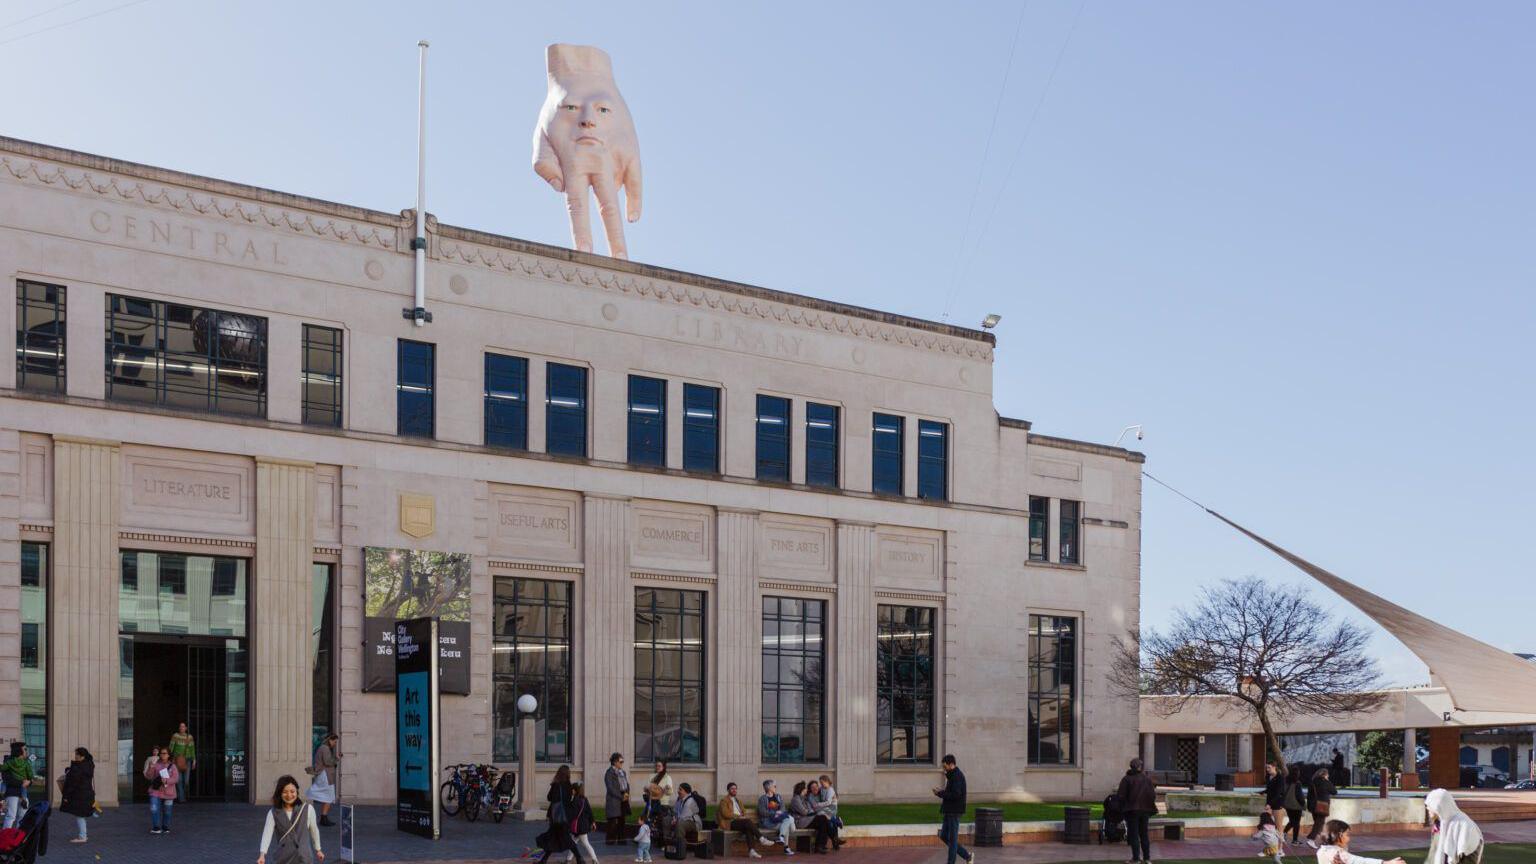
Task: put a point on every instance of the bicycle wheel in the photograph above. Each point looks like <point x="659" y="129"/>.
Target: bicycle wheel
<point x="497" y="814"/>
<point x="472" y="806"/>
<point x="450" y="799"/>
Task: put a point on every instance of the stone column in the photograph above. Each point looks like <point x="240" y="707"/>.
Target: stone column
<point x="1245" y="751"/>
<point x="1149" y="750"/>
<point x="10" y="584"/>
<point x="281" y="596"/>
<point x="83" y="644"/>
<point x="607" y="638"/>
<point x="738" y="665"/>
<point x="854" y="748"/>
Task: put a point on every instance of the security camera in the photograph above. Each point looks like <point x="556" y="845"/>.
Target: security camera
<point x="1123" y="432"/>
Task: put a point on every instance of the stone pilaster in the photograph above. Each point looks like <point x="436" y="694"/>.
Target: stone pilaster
<point x="607" y="638"/>
<point x="855" y="705"/>
<point x="281" y="590"/>
<point x="10" y="585"/>
<point x="1245" y="751"/>
<point x="738" y="666"/>
<point x="83" y="644"/>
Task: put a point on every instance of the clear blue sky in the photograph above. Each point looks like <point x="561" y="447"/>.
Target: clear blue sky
<point x="1296" y="241"/>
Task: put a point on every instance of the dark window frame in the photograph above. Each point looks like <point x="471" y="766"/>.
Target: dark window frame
<point x="880" y="456"/>
<point x="1069" y="533"/>
<point x="556" y="414"/>
<point x="513" y="597"/>
<point x="505" y="387"/>
<point x="658" y="619"/>
<point x="41" y="348"/>
<point x="699" y="428"/>
<point x="1039" y="520"/>
<point x="1052" y="667"/>
<point x="646" y="421"/>
<point x="773" y="438"/>
<point x="901" y="665"/>
<point x="322" y="412"/>
<point x="778" y="617"/>
<point x="823" y="457"/>
<point x="932" y="470"/>
<point x="409" y="390"/>
<point x="235" y="347"/>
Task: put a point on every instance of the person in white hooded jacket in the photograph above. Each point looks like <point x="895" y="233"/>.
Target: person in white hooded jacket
<point x="1456" y="837"/>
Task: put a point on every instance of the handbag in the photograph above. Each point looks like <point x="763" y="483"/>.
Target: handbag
<point x="1320" y="808"/>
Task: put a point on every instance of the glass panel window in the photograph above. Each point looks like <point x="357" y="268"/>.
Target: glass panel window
<point x="773" y="438"/>
<point x="186" y="357"/>
<point x="669" y="676"/>
<point x="1052" y="689"/>
<point x="821" y="440"/>
<point x="932" y="460"/>
<point x="322" y="375"/>
<point x="904" y="684"/>
<point x="1071" y="529"/>
<point x="888" y="466"/>
<point x="161" y="592"/>
<point x="701" y="428"/>
<point x="531" y="653"/>
<point x="34" y="662"/>
<point x="794" y="695"/>
<point x="39" y="336"/>
<point x="1039" y="519"/>
<point x="506" y="402"/>
<point x="565" y="413"/>
<point x="647" y="421"/>
<point x="322" y="649"/>
<point x="415" y="383"/>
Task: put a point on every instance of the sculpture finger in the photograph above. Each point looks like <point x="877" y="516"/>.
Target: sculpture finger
<point x="632" y="188"/>
<point x="576" y="203"/>
<point x="545" y="163"/>
<point x="608" y="207"/>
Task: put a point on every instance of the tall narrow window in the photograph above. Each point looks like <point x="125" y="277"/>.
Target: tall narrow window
<point x="932" y="460"/>
<point x="186" y="357"/>
<point x="773" y="438"/>
<point x="39" y="336"/>
<point x="647" y="421"/>
<point x="531" y="653"/>
<point x="887" y="468"/>
<point x="821" y="437"/>
<point x="322" y="375"/>
<point x="1052" y="689"/>
<point x="415" y="403"/>
<point x="1039" y="520"/>
<point x="701" y="428"/>
<point x="565" y="411"/>
<point x="34" y="661"/>
<point x="669" y="675"/>
<point x="904" y="684"/>
<point x="1071" y="530"/>
<point x="794" y="685"/>
<point x="506" y="402"/>
<point x="322" y="650"/>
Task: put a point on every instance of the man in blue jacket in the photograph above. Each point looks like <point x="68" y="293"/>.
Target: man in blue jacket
<point x="952" y="806"/>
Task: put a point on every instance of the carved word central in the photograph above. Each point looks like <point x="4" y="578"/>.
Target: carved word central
<point x="182" y="237"/>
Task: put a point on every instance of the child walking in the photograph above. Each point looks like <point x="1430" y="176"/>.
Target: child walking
<point x="1269" y="835"/>
<point x="643" y="841"/>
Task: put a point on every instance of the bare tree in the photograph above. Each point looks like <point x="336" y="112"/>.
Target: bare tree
<point x="1272" y="654"/>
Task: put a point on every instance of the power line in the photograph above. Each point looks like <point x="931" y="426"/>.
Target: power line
<point x="986" y="150"/>
<point x="1148" y="475"/>
<point x="71" y="21"/>
<point x="39" y="14"/>
<point x="1028" y="128"/>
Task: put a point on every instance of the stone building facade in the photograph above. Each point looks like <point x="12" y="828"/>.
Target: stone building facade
<point x="764" y="534"/>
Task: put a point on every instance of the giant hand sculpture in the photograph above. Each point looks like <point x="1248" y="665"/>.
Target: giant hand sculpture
<point x="586" y="138"/>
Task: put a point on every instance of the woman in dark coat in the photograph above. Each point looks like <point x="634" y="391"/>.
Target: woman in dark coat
<point x="561" y="806"/>
<point x="78" y="790"/>
<point x="1138" y="795"/>
<point x="1320" y="803"/>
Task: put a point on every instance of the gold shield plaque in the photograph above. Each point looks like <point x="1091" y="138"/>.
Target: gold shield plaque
<point x="418" y="514"/>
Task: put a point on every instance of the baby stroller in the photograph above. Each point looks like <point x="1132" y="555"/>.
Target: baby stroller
<point x="1112" y="828"/>
<point x="34" y="830"/>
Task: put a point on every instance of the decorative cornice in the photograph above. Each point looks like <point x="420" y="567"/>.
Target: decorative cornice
<point x="151" y="537"/>
<point x="533" y="565"/>
<point x="911" y="595"/>
<point x="665" y="290"/>
<point x="167" y="197"/>
<point x="797" y="586"/>
<point x="672" y="577"/>
<point x="35" y="528"/>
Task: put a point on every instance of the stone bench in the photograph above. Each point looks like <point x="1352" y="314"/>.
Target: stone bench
<point x="722" y="840"/>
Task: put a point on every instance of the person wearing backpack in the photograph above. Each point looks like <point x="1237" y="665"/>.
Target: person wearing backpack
<point x="293" y="822"/>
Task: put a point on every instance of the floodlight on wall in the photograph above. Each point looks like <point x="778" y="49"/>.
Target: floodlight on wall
<point x="990" y="321"/>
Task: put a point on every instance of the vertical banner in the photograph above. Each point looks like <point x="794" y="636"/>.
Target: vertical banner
<point x="416" y="739"/>
<point x="348" y="842"/>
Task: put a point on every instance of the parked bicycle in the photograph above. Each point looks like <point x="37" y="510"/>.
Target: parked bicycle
<point x="472" y="789"/>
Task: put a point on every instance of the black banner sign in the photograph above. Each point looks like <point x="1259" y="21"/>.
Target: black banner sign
<point x="416" y="739"/>
<point x="406" y="583"/>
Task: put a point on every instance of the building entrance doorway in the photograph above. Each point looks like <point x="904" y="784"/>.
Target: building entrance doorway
<point x="1186" y="757"/>
<point x="176" y="681"/>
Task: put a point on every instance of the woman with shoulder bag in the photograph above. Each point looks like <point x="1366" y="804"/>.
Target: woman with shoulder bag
<point x="557" y="838"/>
<point x="322" y="790"/>
<point x="293" y="823"/>
<point x="1320" y="802"/>
<point x="162" y="777"/>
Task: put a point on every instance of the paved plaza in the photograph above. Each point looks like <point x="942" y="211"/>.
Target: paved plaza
<point x="231" y="832"/>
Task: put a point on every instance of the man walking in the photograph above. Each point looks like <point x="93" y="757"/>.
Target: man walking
<point x="952" y="806"/>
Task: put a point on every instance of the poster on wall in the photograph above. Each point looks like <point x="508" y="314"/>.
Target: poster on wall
<point x="416" y="739"/>
<point x="407" y="583"/>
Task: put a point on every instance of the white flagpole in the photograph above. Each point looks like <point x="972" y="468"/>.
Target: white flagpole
<point x="419" y="243"/>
